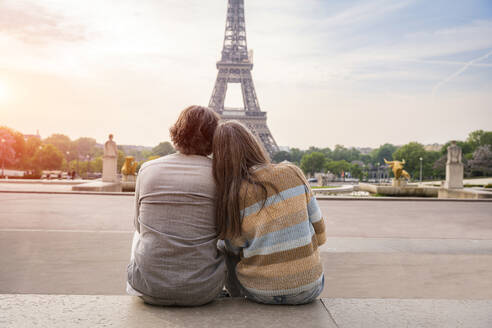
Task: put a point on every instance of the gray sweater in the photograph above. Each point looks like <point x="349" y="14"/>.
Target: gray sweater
<point x="175" y="258"/>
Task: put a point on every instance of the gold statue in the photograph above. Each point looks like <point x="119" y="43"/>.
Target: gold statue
<point x="398" y="170"/>
<point x="130" y="166"/>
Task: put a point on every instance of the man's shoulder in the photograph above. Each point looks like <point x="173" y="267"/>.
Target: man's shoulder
<point x="177" y="159"/>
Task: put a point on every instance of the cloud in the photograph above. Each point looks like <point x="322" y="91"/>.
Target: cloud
<point x="460" y="71"/>
<point x="364" y="12"/>
<point x="34" y="24"/>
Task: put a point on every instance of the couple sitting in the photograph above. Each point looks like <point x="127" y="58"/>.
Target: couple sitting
<point x="234" y="221"/>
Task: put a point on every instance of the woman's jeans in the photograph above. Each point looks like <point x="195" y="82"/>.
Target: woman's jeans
<point x="235" y="288"/>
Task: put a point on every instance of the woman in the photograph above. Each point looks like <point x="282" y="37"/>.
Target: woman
<point x="269" y="220"/>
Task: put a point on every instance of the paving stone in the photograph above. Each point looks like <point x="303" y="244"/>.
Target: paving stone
<point x="26" y="311"/>
<point x="410" y="313"/>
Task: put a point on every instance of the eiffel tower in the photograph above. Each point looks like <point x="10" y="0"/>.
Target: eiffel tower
<point x="235" y="67"/>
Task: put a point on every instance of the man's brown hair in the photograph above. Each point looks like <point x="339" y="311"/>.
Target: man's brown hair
<point x="193" y="132"/>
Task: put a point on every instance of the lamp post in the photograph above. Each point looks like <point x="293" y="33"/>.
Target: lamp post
<point x="3" y="156"/>
<point x="420" y="168"/>
<point x="68" y="160"/>
<point x="88" y="157"/>
<point x="378" y="180"/>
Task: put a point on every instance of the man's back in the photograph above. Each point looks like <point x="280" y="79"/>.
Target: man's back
<point x="176" y="258"/>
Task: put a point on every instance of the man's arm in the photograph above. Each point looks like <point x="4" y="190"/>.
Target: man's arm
<point x="137" y="205"/>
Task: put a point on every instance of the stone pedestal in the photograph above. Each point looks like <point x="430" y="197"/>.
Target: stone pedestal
<point x="109" y="169"/>
<point x="399" y="183"/>
<point x="454" y="176"/>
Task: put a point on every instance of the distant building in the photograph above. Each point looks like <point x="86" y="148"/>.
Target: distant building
<point x="284" y="148"/>
<point x="27" y="136"/>
<point x="365" y="150"/>
<point x="433" y="147"/>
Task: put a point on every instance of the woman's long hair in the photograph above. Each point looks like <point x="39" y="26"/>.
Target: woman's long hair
<point x="235" y="152"/>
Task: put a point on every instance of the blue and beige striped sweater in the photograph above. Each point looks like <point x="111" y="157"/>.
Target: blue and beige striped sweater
<point x="278" y="246"/>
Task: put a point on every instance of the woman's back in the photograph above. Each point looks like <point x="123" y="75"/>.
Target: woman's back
<point x="279" y="242"/>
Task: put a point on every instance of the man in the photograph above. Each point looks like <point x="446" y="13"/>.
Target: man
<point x="174" y="255"/>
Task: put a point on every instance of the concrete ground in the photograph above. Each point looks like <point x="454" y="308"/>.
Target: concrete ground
<point x="387" y="263"/>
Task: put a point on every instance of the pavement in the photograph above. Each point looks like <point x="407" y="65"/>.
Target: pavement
<point x="392" y="263"/>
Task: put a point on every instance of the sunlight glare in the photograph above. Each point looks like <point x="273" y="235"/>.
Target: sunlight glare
<point x="3" y="91"/>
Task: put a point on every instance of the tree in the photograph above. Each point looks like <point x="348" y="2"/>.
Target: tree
<point x="60" y="141"/>
<point x="18" y="144"/>
<point x="163" y="149"/>
<point x="121" y="160"/>
<point x="482" y="161"/>
<point x="312" y="163"/>
<point x="479" y="138"/>
<point x="356" y="171"/>
<point x="296" y="155"/>
<point x="7" y="152"/>
<point x="342" y="153"/>
<point x="281" y="156"/>
<point x="48" y="158"/>
<point x="338" y="167"/>
<point x="85" y="146"/>
<point x="439" y="167"/>
<point x="385" y="151"/>
<point x="411" y="153"/>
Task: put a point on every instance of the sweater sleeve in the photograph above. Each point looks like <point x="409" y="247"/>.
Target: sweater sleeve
<point x="316" y="219"/>
<point x="314" y="212"/>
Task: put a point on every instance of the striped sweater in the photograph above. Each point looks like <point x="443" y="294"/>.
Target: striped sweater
<point x="278" y="246"/>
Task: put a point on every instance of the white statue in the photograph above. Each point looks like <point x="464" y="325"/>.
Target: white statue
<point x="110" y="148"/>
<point x="454" y="168"/>
<point x="110" y="160"/>
<point x="454" y="153"/>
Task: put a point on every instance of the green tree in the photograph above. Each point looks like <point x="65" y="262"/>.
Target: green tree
<point x="385" y="151"/>
<point x="337" y="167"/>
<point x="48" y="158"/>
<point x="356" y="171"/>
<point x="120" y="160"/>
<point x="97" y="164"/>
<point x="60" y="141"/>
<point x="281" y="156"/>
<point x="85" y="147"/>
<point x="412" y="152"/>
<point x="163" y="149"/>
<point x="347" y="154"/>
<point x="296" y="155"/>
<point x="479" y="138"/>
<point x="313" y="162"/>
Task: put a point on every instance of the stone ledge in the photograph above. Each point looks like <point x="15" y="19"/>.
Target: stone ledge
<point x="65" y="311"/>
<point x="410" y="313"/>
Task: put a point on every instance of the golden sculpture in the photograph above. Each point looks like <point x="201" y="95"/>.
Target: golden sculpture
<point x="398" y="170"/>
<point x="130" y="166"/>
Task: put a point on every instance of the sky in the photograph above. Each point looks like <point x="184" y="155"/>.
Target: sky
<point x="357" y="73"/>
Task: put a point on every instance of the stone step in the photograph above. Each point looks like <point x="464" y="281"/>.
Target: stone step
<point x="53" y="311"/>
<point x="65" y="311"/>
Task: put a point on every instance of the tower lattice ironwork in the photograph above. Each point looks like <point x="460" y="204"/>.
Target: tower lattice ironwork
<point x="235" y="66"/>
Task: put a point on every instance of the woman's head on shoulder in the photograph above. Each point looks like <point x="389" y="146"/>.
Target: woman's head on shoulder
<point x="193" y="132"/>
